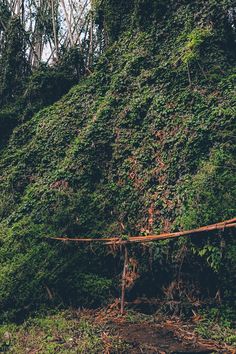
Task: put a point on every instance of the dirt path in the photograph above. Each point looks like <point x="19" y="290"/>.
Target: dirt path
<point x="147" y="338"/>
<point x="156" y="334"/>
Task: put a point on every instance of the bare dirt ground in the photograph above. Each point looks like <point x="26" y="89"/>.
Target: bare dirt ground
<point x="157" y="334"/>
<point x="147" y="338"/>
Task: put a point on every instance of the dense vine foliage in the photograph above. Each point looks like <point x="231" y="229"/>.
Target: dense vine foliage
<point x="145" y="144"/>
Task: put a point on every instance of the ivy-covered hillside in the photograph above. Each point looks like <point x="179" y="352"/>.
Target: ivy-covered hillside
<point x="144" y="144"/>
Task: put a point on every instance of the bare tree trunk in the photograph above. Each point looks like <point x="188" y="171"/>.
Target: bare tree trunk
<point x="78" y="20"/>
<point x="23" y="12"/>
<point x="90" y="61"/>
<point x="18" y="7"/>
<point x="68" y="23"/>
<point x="42" y="30"/>
<point x="54" y="29"/>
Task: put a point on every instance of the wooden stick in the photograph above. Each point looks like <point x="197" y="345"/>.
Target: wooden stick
<point x="117" y="240"/>
<point x="123" y="285"/>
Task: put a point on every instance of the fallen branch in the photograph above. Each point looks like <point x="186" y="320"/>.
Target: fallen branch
<point x="227" y="224"/>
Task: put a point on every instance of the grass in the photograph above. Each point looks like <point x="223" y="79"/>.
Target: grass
<point x="89" y="331"/>
<point x="63" y="332"/>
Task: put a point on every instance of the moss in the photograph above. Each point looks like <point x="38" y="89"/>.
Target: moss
<point x="195" y="40"/>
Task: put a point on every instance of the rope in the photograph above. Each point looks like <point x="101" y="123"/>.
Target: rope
<point x="227" y="224"/>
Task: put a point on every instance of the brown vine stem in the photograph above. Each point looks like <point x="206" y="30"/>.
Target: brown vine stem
<point x="123" y="285"/>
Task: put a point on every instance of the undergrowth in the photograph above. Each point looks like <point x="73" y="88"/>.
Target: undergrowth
<point x="62" y="332"/>
<point x="218" y="324"/>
